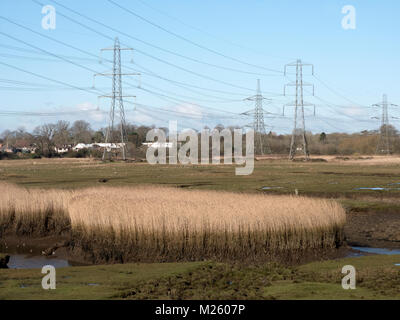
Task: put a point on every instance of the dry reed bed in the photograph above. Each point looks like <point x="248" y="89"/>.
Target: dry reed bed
<point x="33" y="211"/>
<point x="167" y="224"/>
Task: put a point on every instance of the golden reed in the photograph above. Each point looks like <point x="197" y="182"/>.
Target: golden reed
<point x="152" y="223"/>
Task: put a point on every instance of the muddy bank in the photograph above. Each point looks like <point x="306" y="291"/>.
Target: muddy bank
<point x="373" y="229"/>
<point x="50" y="246"/>
<point x="4" y="259"/>
<point x="363" y="229"/>
<point x="62" y="247"/>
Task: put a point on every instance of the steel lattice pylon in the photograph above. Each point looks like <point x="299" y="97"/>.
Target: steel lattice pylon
<point x="299" y="133"/>
<point x="117" y="105"/>
<point x="261" y="145"/>
<point x="383" y="145"/>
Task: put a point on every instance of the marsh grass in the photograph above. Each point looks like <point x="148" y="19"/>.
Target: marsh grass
<point x="153" y="223"/>
<point x="33" y="212"/>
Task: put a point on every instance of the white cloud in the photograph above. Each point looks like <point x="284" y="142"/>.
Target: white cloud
<point x="93" y="113"/>
<point x="191" y="110"/>
<point x="354" y="110"/>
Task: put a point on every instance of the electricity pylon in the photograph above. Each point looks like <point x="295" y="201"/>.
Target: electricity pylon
<point x="261" y="145"/>
<point x="116" y="103"/>
<point x="299" y="133"/>
<point x="383" y="145"/>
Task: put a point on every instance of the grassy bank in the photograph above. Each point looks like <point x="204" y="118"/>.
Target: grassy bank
<point x="324" y="179"/>
<point x="377" y="278"/>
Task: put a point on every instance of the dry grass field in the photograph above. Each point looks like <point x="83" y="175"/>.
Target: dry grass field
<point x="152" y="223"/>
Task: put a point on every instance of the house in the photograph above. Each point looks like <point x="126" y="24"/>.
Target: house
<point x="107" y="146"/>
<point x="81" y="146"/>
<point x="157" y="145"/>
<point x="61" y="150"/>
<point x="30" y="149"/>
<point x="6" y="149"/>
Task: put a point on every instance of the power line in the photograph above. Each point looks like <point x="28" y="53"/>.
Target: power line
<point x="47" y="114"/>
<point x="182" y="84"/>
<point x="208" y="33"/>
<point x="336" y="92"/>
<point x="139" y="51"/>
<point x="49" y="79"/>
<point x="157" y="47"/>
<point x="77" y="64"/>
<point x="188" y="97"/>
<point x="332" y="107"/>
<point x="14" y="56"/>
<point x="153" y="57"/>
<point x="168" y="98"/>
<point x="78" y="49"/>
<point x="190" y="41"/>
<point x="191" y="115"/>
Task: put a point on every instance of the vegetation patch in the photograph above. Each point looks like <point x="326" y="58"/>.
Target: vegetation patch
<point x="170" y="224"/>
<point x="33" y="212"/>
<point x="377" y="278"/>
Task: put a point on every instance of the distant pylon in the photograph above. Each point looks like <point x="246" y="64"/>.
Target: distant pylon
<point x="116" y="103"/>
<point x="299" y="103"/>
<point x="261" y="145"/>
<point x="383" y="145"/>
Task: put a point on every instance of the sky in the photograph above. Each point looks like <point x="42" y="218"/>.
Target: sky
<point x="199" y="61"/>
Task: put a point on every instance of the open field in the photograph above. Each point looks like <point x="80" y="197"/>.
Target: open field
<point x="336" y="178"/>
<point x="373" y="218"/>
<point x="377" y="278"/>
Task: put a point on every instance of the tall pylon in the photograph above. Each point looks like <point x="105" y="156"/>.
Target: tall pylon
<point x="116" y="103"/>
<point x="261" y="145"/>
<point x="383" y="145"/>
<point x="299" y="133"/>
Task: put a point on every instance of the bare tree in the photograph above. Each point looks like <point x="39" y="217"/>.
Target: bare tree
<point x="81" y="132"/>
<point x="44" y="136"/>
<point x="6" y="135"/>
<point x="62" y="135"/>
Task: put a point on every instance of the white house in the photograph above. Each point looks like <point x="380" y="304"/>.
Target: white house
<point x="81" y="146"/>
<point x="63" y="149"/>
<point x="108" y="146"/>
<point x="157" y="145"/>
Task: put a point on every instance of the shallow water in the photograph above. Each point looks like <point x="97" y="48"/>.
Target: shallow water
<point x="381" y="188"/>
<point x="21" y="261"/>
<point x="374" y="189"/>
<point x="376" y="250"/>
<point x="270" y="188"/>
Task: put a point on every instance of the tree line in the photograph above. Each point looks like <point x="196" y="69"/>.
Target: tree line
<point x="45" y="138"/>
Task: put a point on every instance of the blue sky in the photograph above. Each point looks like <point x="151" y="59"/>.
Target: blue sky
<point x="355" y="66"/>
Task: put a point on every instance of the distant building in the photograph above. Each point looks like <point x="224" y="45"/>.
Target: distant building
<point x="28" y="150"/>
<point x="62" y="149"/>
<point x="81" y="146"/>
<point x="6" y="149"/>
<point x="157" y="145"/>
<point x="107" y="146"/>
